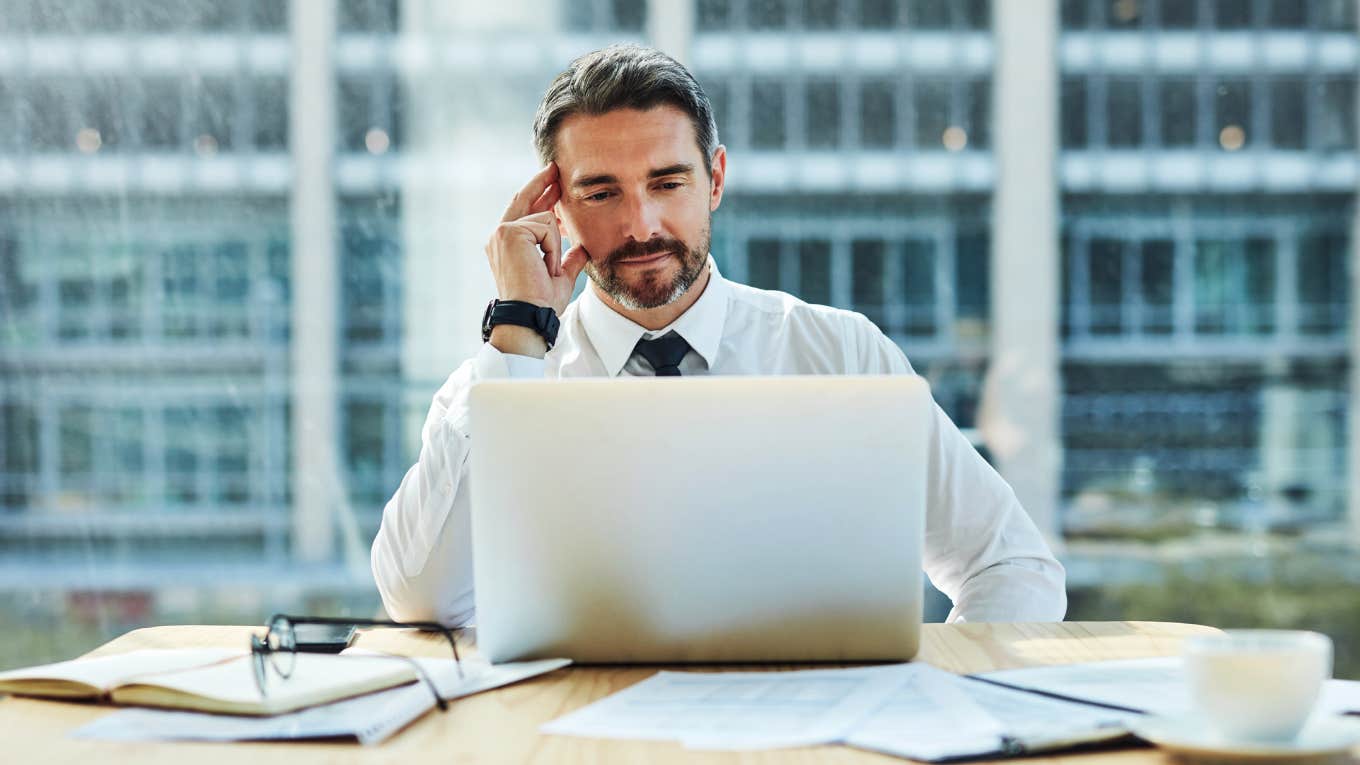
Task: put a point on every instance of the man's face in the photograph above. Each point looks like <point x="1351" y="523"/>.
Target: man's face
<point x="636" y="196"/>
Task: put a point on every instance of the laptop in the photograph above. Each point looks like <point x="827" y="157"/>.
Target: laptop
<point x="701" y="519"/>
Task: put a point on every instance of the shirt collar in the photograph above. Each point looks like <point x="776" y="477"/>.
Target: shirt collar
<point x="614" y="335"/>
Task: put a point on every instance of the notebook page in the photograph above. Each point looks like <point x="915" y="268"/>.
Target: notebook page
<point x="315" y="678"/>
<point x="105" y="672"/>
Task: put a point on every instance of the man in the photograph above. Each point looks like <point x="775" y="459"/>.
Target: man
<point x="633" y="174"/>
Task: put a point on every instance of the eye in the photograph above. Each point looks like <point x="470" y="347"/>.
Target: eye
<point x="598" y="196"/>
<point x="669" y="185"/>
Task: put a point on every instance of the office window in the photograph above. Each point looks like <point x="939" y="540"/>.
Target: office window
<point x="1288" y="113"/>
<point x="1178" y="109"/>
<point x="762" y="263"/>
<point x="369" y="16"/>
<point x="217" y="111"/>
<point x="919" y="263"/>
<point x="1124" y="112"/>
<point x="159" y="113"/>
<point x="973" y="286"/>
<point x="1125" y="14"/>
<point x="1323" y="276"/>
<point x="1075" y="14"/>
<point x="814" y="271"/>
<point x="878" y="114"/>
<point x="1287" y="14"/>
<point x="930" y="14"/>
<point x="821" y="14"/>
<point x="18" y="455"/>
<point x="1156" y="274"/>
<point x="767" y="14"/>
<point x="1179" y="14"/>
<point x="867" y="278"/>
<point x="822" y="112"/>
<point x="1232" y="14"/>
<point x="713" y="15"/>
<point x="1072" y="105"/>
<point x="878" y="14"/>
<point x="932" y="104"/>
<point x="1106" y="286"/>
<point x="978" y="114"/>
<point x="1336" y="114"/>
<point x="1232" y="114"/>
<point x="768" y="114"/>
<point x="1334" y="15"/>
<point x="270" y="109"/>
<point x="268" y="16"/>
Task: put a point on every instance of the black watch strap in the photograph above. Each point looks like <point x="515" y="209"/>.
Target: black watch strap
<point x="541" y="319"/>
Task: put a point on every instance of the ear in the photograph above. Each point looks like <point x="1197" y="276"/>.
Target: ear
<point x="719" y="177"/>
<point x="561" y="226"/>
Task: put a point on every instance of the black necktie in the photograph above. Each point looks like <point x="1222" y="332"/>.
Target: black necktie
<point x="664" y="353"/>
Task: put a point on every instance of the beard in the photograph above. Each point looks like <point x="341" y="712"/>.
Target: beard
<point x="651" y="290"/>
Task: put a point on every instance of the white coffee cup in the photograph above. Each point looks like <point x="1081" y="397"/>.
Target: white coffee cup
<point x="1257" y="685"/>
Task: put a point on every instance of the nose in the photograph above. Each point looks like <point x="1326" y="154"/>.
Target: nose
<point x="642" y="218"/>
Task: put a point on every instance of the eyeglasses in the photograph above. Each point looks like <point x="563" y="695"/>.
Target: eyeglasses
<point x="278" y="648"/>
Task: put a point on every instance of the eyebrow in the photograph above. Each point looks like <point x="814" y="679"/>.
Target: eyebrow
<point x="679" y="168"/>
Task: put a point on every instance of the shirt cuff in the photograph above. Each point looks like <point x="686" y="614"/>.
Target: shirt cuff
<point x="492" y="364"/>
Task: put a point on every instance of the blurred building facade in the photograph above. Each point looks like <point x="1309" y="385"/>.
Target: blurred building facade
<point x="240" y="246"/>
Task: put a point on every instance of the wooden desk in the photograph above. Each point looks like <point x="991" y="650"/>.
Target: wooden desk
<point x="501" y="726"/>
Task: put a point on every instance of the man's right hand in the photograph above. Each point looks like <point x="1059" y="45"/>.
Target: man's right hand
<point x="526" y="258"/>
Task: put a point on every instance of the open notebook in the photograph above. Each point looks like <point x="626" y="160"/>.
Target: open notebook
<point x="208" y="680"/>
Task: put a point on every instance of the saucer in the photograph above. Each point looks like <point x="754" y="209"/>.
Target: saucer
<point x="1323" y="738"/>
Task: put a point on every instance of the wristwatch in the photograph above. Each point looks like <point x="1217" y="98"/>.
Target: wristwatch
<point x="540" y="319"/>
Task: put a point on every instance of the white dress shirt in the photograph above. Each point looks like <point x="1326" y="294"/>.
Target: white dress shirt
<point x="981" y="549"/>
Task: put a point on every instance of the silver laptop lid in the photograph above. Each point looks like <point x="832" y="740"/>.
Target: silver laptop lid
<point x="705" y="519"/>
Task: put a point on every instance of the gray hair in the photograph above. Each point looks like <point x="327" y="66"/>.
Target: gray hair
<point x="624" y="77"/>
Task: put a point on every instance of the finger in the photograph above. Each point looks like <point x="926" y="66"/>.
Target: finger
<point x="542" y="227"/>
<point x="575" y="261"/>
<point x="525" y="197"/>
<point x="547" y="199"/>
<point x="552" y="249"/>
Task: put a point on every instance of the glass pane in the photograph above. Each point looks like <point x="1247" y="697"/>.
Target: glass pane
<point x="814" y="271"/>
<point x="1107" y="286"/>
<point x="713" y="14"/>
<point x="931" y="99"/>
<point x="762" y="263"/>
<point x="1288" y="112"/>
<point x="1124" y="14"/>
<point x="877" y="14"/>
<point x="1158" y="284"/>
<point x="1073" y="109"/>
<point x="767" y="14"/>
<point x="867" y="274"/>
<point x="1179" y="14"/>
<point x="1336" y="106"/>
<point x="1232" y="14"/>
<point x="1178" y="111"/>
<point x="821" y="14"/>
<point x="1076" y="14"/>
<point x="1232" y="105"/>
<point x="918" y="286"/>
<point x="1125" y="110"/>
<point x="878" y="114"/>
<point x="929" y="14"/>
<point x="767" y="108"/>
<point x="823" y="114"/>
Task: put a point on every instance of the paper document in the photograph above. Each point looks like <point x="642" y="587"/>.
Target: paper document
<point x="936" y="715"/>
<point x="737" y="710"/>
<point x="1158" y="686"/>
<point x="370" y="719"/>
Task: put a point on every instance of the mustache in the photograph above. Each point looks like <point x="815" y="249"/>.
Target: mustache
<point x="635" y="248"/>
